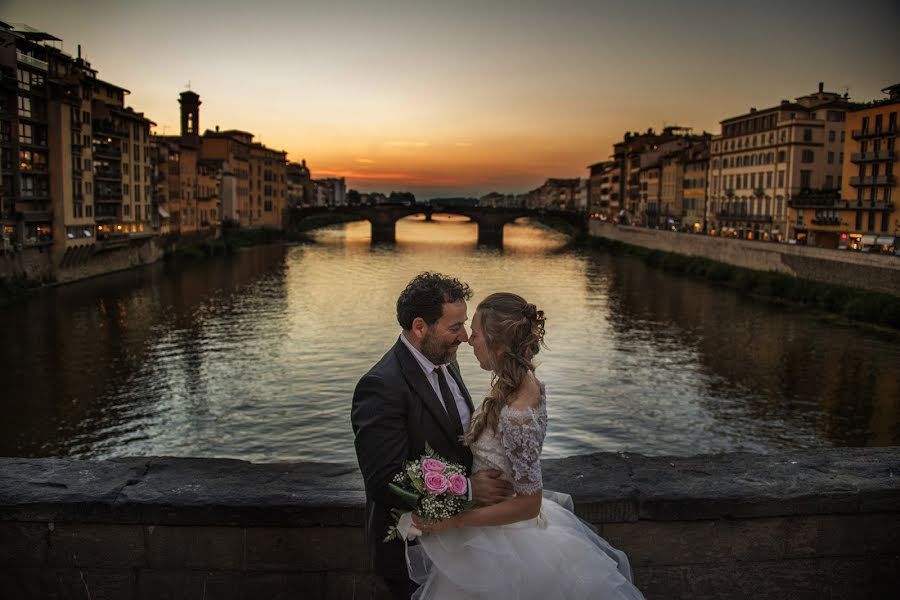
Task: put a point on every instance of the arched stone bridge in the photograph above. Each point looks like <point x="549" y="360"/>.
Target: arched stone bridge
<point x="490" y="221"/>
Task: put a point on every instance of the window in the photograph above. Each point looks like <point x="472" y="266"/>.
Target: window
<point x="807" y="135"/>
<point x="839" y="181"/>
<point x="831" y="158"/>
<point x="137" y="152"/>
<point x="26" y="133"/>
<point x="829" y="181"/>
<point x="831" y="135"/>
<point x="807" y="157"/>
<point x="885" y="220"/>
<point x="859" y="220"/>
<point x="24" y="106"/>
<point x="865" y="124"/>
<point x="842" y="137"/>
<point x="769" y="179"/>
<point x="125" y="190"/>
<point x="782" y="156"/>
<point x="806" y="179"/>
<point x="137" y="171"/>
<point x="871" y="221"/>
<point x="85" y="117"/>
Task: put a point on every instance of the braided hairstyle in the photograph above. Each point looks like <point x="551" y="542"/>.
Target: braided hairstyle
<point x="514" y="332"/>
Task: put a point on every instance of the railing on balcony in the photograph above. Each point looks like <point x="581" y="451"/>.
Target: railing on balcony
<point x="734" y="215"/>
<point x="860" y="134"/>
<point x="31" y="61"/>
<point x="829" y="221"/>
<point x="109" y="193"/>
<point x="107" y="150"/>
<point x="111" y="174"/>
<point x="873" y="180"/>
<point x="107" y="127"/>
<point x="859" y="157"/>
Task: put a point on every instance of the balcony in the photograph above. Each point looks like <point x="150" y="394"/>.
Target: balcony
<point x="866" y="205"/>
<point x="872" y="180"/>
<point x="31" y="61"/>
<point x="108" y="128"/>
<point x="862" y="134"/>
<point x="108" y="193"/>
<point x="108" y="174"/>
<point x="107" y="151"/>
<point x="726" y="215"/>
<point x="862" y="157"/>
<point x="826" y="221"/>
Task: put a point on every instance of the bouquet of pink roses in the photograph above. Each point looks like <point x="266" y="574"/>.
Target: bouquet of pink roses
<point x="432" y="487"/>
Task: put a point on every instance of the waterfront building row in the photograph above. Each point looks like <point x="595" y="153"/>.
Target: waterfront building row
<point x="79" y="168"/>
<point x="817" y="171"/>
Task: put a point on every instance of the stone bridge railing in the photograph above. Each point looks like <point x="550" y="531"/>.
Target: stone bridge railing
<point x="796" y="525"/>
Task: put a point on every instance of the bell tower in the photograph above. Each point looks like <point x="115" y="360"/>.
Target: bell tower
<point x="190" y="115"/>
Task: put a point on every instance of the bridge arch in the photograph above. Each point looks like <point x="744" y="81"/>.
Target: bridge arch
<point x="490" y="221"/>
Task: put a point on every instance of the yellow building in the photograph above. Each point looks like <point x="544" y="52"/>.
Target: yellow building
<point x="869" y="215"/>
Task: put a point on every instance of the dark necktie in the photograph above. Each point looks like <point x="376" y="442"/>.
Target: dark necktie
<point x="449" y="402"/>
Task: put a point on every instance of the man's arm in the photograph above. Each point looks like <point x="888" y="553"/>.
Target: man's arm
<point x="379" y="426"/>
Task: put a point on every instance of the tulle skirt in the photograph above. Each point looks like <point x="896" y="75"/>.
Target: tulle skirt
<point x="555" y="555"/>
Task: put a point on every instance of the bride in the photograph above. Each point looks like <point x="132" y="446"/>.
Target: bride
<point x="532" y="545"/>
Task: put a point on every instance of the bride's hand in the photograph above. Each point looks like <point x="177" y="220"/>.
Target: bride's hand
<point x="426" y="526"/>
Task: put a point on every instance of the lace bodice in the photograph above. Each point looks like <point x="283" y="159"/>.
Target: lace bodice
<point x="515" y="449"/>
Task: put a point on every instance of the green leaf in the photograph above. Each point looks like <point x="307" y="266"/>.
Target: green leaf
<point x="410" y="498"/>
<point x="429" y="450"/>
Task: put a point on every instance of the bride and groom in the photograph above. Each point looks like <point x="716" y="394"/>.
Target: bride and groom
<point x="519" y="541"/>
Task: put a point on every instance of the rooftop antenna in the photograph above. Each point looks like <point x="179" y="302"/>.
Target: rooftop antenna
<point x="189" y="84"/>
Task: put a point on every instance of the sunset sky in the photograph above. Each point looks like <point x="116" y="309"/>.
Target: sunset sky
<point x="463" y="98"/>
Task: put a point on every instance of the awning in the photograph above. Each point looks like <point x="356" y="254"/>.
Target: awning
<point x="868" y="240"/>
<point x="163" y="212"/>
<point x="885" y="240"/>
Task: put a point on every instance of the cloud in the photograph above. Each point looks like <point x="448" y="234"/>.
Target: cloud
<point x="406" y="144"/>
<point x="365" y="161"/>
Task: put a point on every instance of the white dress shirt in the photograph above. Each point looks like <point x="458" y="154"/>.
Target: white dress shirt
<point x="428" y="368"/>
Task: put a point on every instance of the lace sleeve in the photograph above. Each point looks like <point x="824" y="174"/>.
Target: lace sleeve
<point x="522" y="433"/>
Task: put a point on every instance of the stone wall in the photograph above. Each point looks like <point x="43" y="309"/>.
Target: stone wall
<point x="42" y="265"/>
<point x="875" y="272"/>
<point x="805" y="524"/>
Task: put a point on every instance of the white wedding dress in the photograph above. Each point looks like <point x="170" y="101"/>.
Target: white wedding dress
<point x="554" y="555"/>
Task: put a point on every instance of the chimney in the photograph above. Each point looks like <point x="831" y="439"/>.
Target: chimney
<point x="79" y="51"/>
<point x="217" y="129"/>
<point x="821" y="86"/>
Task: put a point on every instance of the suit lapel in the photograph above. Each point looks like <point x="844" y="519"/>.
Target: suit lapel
<point x="417" y="381"/>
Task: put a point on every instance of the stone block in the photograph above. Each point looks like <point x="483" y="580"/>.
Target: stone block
<point x="95" y="584"/>
<point x="23" y="544"/>
<point x="306" y="549"/>
<point x="827" y="535"/>
<point x="217" y="548"/>
<point x="649" y="543"/>
<point x="355" y="586"/>
<point x="285" y="586"/>
<point x="848" y="579"/>
<point x="26" y="582"/>
<point x="756" y="539"/>
<point x="777" y="580"/>
<point x="103" y="546"/>
<point x="187" y="585"/>
<point x="662" y="582"/>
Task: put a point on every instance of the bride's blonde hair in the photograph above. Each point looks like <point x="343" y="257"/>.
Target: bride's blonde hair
<point x="514" y="332"/>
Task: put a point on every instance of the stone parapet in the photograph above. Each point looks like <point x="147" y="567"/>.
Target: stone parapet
<point x="803" y="524"/>
<point x="874" y="272"/>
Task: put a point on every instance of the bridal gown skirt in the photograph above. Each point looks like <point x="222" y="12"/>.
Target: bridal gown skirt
<point x="553" y="556"/>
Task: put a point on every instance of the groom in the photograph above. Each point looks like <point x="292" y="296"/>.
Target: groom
<point x="415" y="394"/>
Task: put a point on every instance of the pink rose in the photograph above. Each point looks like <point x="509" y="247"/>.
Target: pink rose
<point x="435" y="483"/>
<point x="458" y="485"/>
<point x="430" y="465"/>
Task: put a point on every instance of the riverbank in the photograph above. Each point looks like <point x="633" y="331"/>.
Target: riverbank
<point x="862" y="305"/>
<point x="800" y="524"/>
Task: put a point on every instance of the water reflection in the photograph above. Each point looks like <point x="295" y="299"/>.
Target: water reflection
<point x="256" y="356"/>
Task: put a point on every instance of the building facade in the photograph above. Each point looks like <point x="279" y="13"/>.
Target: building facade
<point x="863" y="215"/>
<point x="764" y="162"/>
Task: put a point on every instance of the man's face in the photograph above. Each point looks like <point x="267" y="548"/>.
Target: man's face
<point x="441" y="339"/>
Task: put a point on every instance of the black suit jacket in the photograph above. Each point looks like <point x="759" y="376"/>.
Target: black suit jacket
<point x="395" y="412"/>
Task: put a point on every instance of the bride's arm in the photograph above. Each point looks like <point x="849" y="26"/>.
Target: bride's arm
<point x="522" y="437"/>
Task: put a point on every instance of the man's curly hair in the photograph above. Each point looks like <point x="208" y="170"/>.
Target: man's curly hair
<point x="426" y="295"/>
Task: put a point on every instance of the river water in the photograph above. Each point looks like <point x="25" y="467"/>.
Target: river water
<point x="256" y="356"/>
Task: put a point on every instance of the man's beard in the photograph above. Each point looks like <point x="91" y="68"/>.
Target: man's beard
<point x="437" y="353"/>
